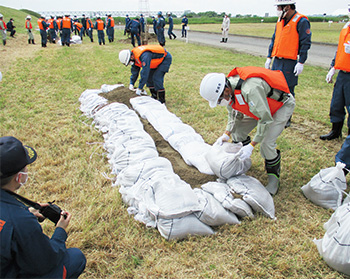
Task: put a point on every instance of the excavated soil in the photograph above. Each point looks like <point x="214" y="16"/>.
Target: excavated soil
<point x="187" y="173"/>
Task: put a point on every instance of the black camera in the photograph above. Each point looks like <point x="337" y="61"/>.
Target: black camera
<point x="52" y="212"/>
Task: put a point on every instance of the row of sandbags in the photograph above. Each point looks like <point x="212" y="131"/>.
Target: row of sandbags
<point x="157" y="196"/>
<point x="326" y="189"/>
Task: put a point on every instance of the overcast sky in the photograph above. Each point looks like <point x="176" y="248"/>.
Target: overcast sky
<point x="254" y="7"/>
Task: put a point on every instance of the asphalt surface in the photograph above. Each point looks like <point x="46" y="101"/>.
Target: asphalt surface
<point x="318" y="55"/>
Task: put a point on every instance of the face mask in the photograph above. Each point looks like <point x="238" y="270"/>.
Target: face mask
<point x="279" y="13"/>
<point x="131" y="63"/>
<point x="25" y="181"/>
<point x="224" y="103"/>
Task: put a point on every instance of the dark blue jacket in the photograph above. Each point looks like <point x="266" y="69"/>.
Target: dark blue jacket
<point x="25" y="250"/>
<point x="142" y="23"/>
<point x="134" y="26"/>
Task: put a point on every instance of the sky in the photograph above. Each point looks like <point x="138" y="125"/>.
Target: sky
<point x="243" y="7"/>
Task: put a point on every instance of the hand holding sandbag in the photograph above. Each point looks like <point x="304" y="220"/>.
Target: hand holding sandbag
<point x="247" y="151"/>
<point x="222" y="139"/>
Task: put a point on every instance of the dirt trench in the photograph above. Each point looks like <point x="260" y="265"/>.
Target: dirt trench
<point x="187" y="173"/>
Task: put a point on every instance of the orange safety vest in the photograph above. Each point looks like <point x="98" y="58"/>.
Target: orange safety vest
<point x="112" y="21"/>
<point x="100" y="24"/>
<point x="137" y="51"/>
<point x="286" y="43"/>
<point x="30" y="24"/>
<point x="275" y="79"/>
<point x="4" y="25"/>
<point x="342" y="60"/>
<point x="88" y="23"/>
<point x="40" y="23"/>
<point x="66" y="23"/>
<point x="78" y="25"/>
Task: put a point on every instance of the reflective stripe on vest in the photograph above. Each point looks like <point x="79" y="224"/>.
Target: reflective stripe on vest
<point x="66" y="23"/>
<point x="137" y="51"/>
<point x="286" y="43"/>
<point x="275" y="79"/>
<point x="342" y="60"/>
<point x="40" y="23"/>
<point x="30" y="24"/>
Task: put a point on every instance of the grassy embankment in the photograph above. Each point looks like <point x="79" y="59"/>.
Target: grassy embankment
<point x="39" y="105"/>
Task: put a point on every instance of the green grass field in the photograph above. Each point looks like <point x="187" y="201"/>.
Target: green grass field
<point x="39" y="105"/>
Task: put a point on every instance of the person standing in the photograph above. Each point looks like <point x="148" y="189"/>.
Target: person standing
<point x="155" y="62"/>
<point x="3" y="29"/>
<point x="160" y="29"/>
<point x="135" y="30"/>
<point x="225" y="27"/>
<point x="83" y="22"/>
<point x="154" y="22"/>
<point x="110" y="28"/>
<point x="184" y="23"/>
<point x="67" y="28"/>
<point x="254" y="97"/>
<point x="89" y="28"/>
<point x="58" y="22"/>
<point x="100" y="26"/>
<point x="26" y="252"/>
<point x="127" y="21"/>
<point x="29" y="28"/>
<point x="11" y="28"/>
<point x="341" y="90"/>
<point x="290" y="43"/>
<point x="171" y="27"/>
<point x="43" y="27"/>
<point x="52" y="29"/>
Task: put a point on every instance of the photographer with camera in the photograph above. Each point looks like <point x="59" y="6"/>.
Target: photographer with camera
<point x="26" y="252"/>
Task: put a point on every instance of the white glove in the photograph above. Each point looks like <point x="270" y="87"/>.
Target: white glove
<point x="247" y="151"/>
<point x="330" y="75"/>
<point x="347" y="47"/>
<point x="267" y="63"/>
<point x="131" y="87"/>
<point x="298" y="69"/>
<point x="222" y="139"/>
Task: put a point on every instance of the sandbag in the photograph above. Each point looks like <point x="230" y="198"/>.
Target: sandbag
<point x="334" y="247"/>
<point x="325" y="188"/>
<point x="224" y="160"/>
<point x="212" y="212"/>
<point x="254" y="193"/>
<point x="180" y="228"/>
<point x="222" y="193"/>
<point x="105" y="88"/>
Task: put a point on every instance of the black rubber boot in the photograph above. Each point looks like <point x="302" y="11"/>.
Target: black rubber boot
<point x="29" y="41"/>
<point x="244" y="142"/>
<point x="222" y="40"/>
<point x="273" y="168"/>
<point x="161" y="96"/>
<point x="226" y="40"/>
<point x="154" y="94"/>
<point x="4" y="42"/>
<point x="335" y="132"/>
<point x="33" y="42"/>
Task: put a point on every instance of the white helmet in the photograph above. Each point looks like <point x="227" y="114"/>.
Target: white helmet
<point x="284" y="2"/>
<point x="211" y="88"/>
<point x="124" y="56"/>
<point x="28" y="17"/>
<point x="1" y="15"/>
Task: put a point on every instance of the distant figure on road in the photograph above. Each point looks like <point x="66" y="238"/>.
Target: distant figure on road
<point x="154" y="22"/>
<point x="292" y="38"/>
<point x="127" y="20"/>
<point x="171" y="26"/>
<point x="160" y="29"/>
<point x="225" y="26"/>
<point x="184" y="23"/>
<point x="341" y="90"/>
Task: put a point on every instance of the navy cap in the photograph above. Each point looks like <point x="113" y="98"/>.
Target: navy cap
<point x="14" y="156"/>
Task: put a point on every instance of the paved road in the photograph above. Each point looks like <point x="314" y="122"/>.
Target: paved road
<point x="319" y="54"/>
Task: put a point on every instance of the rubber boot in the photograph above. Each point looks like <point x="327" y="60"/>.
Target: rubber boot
<point x="161" y="96"/>
<point x="244" y="142"/>
<point x="273" y="168"/>
<point x="222" y="40"/>
<point x="335" y="132"/>
<point x="33" y="42"/>
<point x="4" y="42"/>
<point x="154" y="94"/>
<point x="226" y="40"/>
<point x="174" y="37"/>
<point x="29" y="41"/>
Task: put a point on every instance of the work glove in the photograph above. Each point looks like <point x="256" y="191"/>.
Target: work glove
<point x="298" y="69"/>
<point x="330" y="75"/>
<point x="131" y="87"/>
<point x="347" y="47"/>
<point x="247" y="151"/>
<point x="267" y="63"/>
<point x="222" y="139"/>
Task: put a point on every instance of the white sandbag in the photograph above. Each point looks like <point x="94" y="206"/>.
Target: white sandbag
<point x="334" y="247"/>
<point x="223" y="193"/>
<point x="105" y="88"/>
<point x="141" y="136"/>
<point x="224" y="160"/>
<point x="75" y="40"/>
<point x="325" y="188"/>
<point x="131" y="174"/>
<point x="91" y="101"/>
<point x="254" y="193"/>
<point x="180" y="228"/>
<point x="212" y="212"/>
